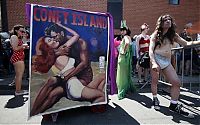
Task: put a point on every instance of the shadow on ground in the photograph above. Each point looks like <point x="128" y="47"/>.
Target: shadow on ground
<point x="178" y="118"/>
<point x="16" y="101"/>
<point x="188" y="102"/>
<point x="112" y="116"/>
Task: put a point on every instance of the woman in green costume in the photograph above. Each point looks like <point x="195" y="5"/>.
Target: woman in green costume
<point x="124" y="67"/>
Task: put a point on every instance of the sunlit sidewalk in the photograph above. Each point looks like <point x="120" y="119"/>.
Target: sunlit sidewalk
<point x="133" y="110"/>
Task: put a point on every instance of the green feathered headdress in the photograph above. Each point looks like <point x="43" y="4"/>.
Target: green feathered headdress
<point x="123" y="25"/>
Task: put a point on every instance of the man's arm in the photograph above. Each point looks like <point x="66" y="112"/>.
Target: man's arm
<point x="152" y="45"/>
<point x="64" y="49"/>
<point x="84" y="57"/>
<point x="151" y="48"/>
<point x="137" y="46"/>
<point x="183" y="42"/>
<point x="71" y="40"/>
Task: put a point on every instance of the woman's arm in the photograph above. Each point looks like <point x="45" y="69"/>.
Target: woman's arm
<point x="14" y="43"/>
<point x="127" y="42"/>
<point x="73" y="39"/>
<point x="84" y="58"/>
<point x="151" y="48"/>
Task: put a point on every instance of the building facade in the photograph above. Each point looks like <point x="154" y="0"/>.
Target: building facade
<point x="135" y="12"/>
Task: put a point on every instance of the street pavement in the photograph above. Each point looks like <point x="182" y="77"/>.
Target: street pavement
<point x="135" y="109"/>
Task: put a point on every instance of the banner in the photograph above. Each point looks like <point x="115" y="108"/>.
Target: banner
<point x="69" y="58"/>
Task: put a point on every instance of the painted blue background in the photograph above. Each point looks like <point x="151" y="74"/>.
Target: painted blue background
<point x="87" y="33"/>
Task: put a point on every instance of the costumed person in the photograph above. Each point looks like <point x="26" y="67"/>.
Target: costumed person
<point x="17" y="58"/>
<point x="124" y="64"/>
<point x="160" y="47"/>
<point x="117" y="42"/>
<point x="142" y="43"/>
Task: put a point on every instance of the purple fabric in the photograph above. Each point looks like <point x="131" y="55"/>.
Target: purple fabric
<point x="28" y="12"/>
<point x="112" y="64"/>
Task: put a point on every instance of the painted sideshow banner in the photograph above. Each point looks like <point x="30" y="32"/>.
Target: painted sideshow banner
<point x="69" y="54"/>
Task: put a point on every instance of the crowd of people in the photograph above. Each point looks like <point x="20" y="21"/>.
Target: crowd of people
<point x="154" y="56"/>
<point x="145" y="55"/>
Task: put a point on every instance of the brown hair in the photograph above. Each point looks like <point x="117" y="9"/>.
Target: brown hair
<point x="144" y="26"/>
<point x="14" y="32"/>
<point x="16" y="27"/>
<point x="170" y="33"/>
<point x="42" y="63"/>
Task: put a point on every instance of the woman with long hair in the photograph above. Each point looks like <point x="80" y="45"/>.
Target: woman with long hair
<point x="56" y="86"/>
<point x="124" y="65"/>
<point x="17" y="58"/>
<point x="161" y="43"/>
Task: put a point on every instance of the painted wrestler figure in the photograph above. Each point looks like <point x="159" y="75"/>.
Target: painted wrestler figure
<point x="58" y="86"/>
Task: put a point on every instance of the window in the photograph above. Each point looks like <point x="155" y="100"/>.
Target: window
<point x="3" y="16"/>
<point x="174" y="2"/>
<point x="115" y="8"/>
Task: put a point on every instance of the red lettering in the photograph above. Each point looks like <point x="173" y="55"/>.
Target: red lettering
<point x="80" y="20"/>
<point x="74" y="16"/>
<point x="43" y="14"/>
<point x="99" y="22"/>
<point x="85" y="20"/>
<point x="35" y="14"/>
<point x="65" y="14"/>
<point x="52" y="15"/>
<point x="92" y="21"/>
<point x="58" y="17"/>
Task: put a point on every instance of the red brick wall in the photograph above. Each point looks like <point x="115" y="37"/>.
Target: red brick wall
<point x="136" y="12"/>
<point x="16" y="8"/>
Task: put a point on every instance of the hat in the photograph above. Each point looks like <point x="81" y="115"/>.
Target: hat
<point x="123" y="25"/>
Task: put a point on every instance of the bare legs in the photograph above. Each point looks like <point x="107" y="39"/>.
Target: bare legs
<point x="139" y="72"/>
<point x="92" y="94"/>
<point x="43" y="94"/>
<point x="49" y="94"/>
<point x="146" y="72"/>
<point x="54" y="96"/>
<point x="172" y="77"/>
<point x="98" y="82"/>
<point x="154" y="81"/>
<point x="94" y="90"/>
<point x="19" y="71"/>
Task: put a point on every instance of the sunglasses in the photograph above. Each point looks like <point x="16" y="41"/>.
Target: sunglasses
<point x="22" y="31"/>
